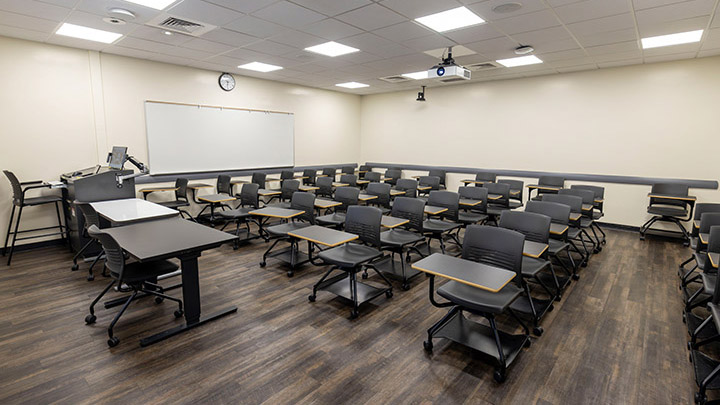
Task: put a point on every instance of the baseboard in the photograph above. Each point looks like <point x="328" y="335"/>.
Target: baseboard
<point x="619" y="227"/>
<point x="36" y="245"/>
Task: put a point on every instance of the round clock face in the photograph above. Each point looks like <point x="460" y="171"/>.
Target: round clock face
<point x="227" y="81"/>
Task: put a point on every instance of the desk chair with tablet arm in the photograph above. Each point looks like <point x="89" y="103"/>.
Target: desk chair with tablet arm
<point x="476" y="214"/>
<point x="403" y="239"/>
<point x="441" y="175"/>
<point x="309" y="176"/>
<point x="598" y="202"/>
<point x="287" y="189"/>
<point x="485" y="177"/>
<point x="516" y="192"/>
<point x="347" y="196"/>
<point x="329" y="172"/>
<point x="347" y="170"/>
<point x="382" y="191"/>
<point x="259" y="178"/>
<point x="409" y="186"/>
<point x="325" y="188"/>
<point x="669" y="203"/>
<point x="708" y="272"/>
<point x="700" y="209"/>
<point x="558" y="242"/>
<point x="181" y="199"/>
<point x="286" y="175"/>
<point x="372" y="177"/>
<point x="552" y="184"/>
<point x="586" y="219"/>
<point x="536" y="228"/>
<point x="433" y="182"/>
<point x="392" y="176"/>
<point x="706" y="368"/>
<point x="249" y="201"/>
<point x="140" y="277"/>
<point x="349" y="179"/>
<point x="299" y="201"/>
<point x="363" y="170"/>
<point x="91" y="218"/>
<point x="496" y="206"/>
<point x="576" y="234"/>
<point x="441" y="229"/>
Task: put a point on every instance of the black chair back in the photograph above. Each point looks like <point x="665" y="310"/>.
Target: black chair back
<point x="516" y="188"/>
<point x="348" y="170"/>
<point x="181" y="189"/>
<point x="373" y="177"/>
<point x="588" y="197"/>
<point x="535" y="227"/>
<point x="552" y="181"/>
<point x="223" y="184"/>
<point x="288" y="188"/>
<point x="409" y="186"/>
<point x="432" y="181"/>
<point x="91" y="216"/>
<point x="496" y="247"/>
<point x="306" y="202"/>
<point x="411" y="209"/>
<point x="558" y="213"/>
<point x="364" y="221"/>
<point x="114" y="257"/>
<point x="16" y="188"/>
<point x="446" y="199"/>
<point x="574" y="202"/>
<point x="487" y="177"/>
<point x="347" y="196"/>
<point x="439" y="173"/>
<point x="330" y="172"/>
<point x="259" y="179"/>
<point x="364" y="168"/>
<point x="249" y="195"/>
<point x="382" y="191"/>
<point x="350" y="179"/>
<point x="392" y="176"/>
<point x="702" y="208"/>
<point x="501" y="189"/>
<point x="678" y="190"/>
<point x="475" y="193"/>
<point x="714" y="247"/>
<point x="597" y="190"/>
<point x="708" y="220"/>
<point x="324" y="185"/>
<point x="310" y="175"/>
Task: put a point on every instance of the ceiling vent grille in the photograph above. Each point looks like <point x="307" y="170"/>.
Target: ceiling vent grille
<point x="183" y="26"/>
<point x="482" y="66"/>
<point x="395" y="79"/>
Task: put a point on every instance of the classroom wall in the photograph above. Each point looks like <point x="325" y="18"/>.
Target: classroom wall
<point x="63" y="109"/>
<point x="654" y="120"/>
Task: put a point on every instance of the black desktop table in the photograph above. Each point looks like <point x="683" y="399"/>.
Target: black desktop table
<point x="185" y="240"/>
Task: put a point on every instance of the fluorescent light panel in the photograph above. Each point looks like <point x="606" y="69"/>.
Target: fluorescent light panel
<point x="448" y="20"/>
<point x="332" y="49"/>
<point x="352" y="85"/>
<point x="260" y="67"/>
<point x="90" y="34"/>
<point x="416" y="75"/>
<point x="672" y="39"/>
<point x="521" y="61"/>
<point x="156" y="4"/>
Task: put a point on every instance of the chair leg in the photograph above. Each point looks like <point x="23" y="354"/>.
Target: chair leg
<point x="353" y="294"/>
<point x="267" y="252"/>
<point x="14" y="235"/>
<point x="319" y="283"/>
<point x="80" y="252"/>
<point x="90" y="276"/>
<point x="119" y="314"/>
<point x="161" y="294"/>
<point x="7" y="235"/>
<point x="439" y="324"/>
<point x="696" y="332"/>
<point x="500" y="373"/>
<point x="91" y="318"/>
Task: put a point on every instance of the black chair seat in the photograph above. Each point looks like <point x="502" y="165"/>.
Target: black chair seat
<point x="667" y="211"/>
<point x="496" y="210"/>
<point x="515" y="204"/>
<point x="556" y="246"/>
<point x="283" y="229"/>
<point x="41" y="200"/>
<point x="471" y="217"/>
<point x="174" y="204"/>
<point x="708" y="281"/>
<point x="283" y="204"/>
<point x="597" y="215"/>
<point x="399" y="238"/>
<point x="349" y="255"/>
<point x="337" y="218"/>
<point x="477" y="299"/>
<point x="138" y="272"/>
<point x="532" y="266"/>
<point x="702" y="261"/>
<point x="573" y="233"/>
<point x="238" y="213"/>
<point x="585" y="222"/>
<point x="385" y="210"/>
<point x="437" y="225"/>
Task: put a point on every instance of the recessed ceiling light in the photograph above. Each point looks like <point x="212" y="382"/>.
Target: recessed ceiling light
<point x="672" y="39"/>
<point x="521" y="61"/>
<point x="352" y="85"/>
<point x="332" y="49"/>
<point x="156" y="4"/>
<point x="167" y="33"/>
<point x="260" y="67"/>
<point x="448" y="20"/>
<point x="417" y="75"/>
<point x="91" y="34"/>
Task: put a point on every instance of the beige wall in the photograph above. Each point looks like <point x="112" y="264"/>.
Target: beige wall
<point x="656" y="120"/>
<point x="63" y="109"/>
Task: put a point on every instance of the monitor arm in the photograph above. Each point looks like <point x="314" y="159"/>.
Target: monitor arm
<point x="141" y="166"/>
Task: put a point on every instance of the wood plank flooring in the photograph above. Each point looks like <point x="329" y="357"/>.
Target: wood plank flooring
<point x="616" y="338"/>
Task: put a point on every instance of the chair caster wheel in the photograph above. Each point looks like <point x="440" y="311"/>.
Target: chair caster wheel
<point x="428" y="346"/>
<point x="179" y="313"/>
<point x="113" y="341"/>
<point x="700" y="399"/>
<point x="584" y="264"/>
<point x="159" y="300"/>
<point x="499" y="376"/>
<point x="642" y="237"/>
<point x="388" y="294"/>
<point x="74" y="267"/>
<point x="290" y="273"/>
<point x="576" y="277"/>
<point x="558" y="298"/>
<point x="90" y="278"/>
<point x="596" y="251"/>
<point x="551" y="307"/>
<point x="689" y="346"/>
<point x="684" y="318"/>
<point x="538" y="331"/>
<point x="263" y="264"/>
<point x="405" y="286"/>
<point x="90" y="319"/>
<point x="353" y="314"/>
<point x="311" y="298"/>
<point x="364" y="276"/>
<point x="408" y="259"/>
<point x="527" y="343"/>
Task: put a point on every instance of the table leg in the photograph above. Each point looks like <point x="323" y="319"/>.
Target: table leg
<point x="191" y="302"/>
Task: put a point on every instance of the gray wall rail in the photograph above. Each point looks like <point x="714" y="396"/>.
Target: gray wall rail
<point x="595" y="178"/>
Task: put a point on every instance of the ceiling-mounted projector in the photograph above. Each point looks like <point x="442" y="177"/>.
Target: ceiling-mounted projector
<point x="447" y="71"/>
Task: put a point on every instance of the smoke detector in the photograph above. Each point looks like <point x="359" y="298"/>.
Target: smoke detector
<point x="524" y="50"/>
<point x="507" y="8"/>
<point x="118" y="16"/>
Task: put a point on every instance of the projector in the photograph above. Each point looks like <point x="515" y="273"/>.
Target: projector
<point x="449" y="74"/>
<point x="447" y="71"/>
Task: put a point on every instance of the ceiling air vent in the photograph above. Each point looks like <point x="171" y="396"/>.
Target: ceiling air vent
<point x="482" y="66"/>
<point x="181" y="25"/>
<point x="394" y="79"/>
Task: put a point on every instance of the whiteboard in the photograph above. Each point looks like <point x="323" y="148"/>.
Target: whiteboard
<point x="184" y="138"/>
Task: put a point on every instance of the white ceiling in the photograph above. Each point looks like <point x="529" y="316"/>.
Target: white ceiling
<point x="568" y="35"/>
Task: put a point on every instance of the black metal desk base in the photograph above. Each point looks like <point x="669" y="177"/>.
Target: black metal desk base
<point x="120" y="301"/>
<point x="183" y="328"/>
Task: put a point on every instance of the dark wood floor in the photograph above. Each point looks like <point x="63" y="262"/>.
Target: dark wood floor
<point x="616" y="338"/>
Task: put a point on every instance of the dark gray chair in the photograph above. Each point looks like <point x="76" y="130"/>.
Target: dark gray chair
<point x="286" y="175"/>
<point x="670" y="210"/>
<point x="325" y="188"/>
<point x="706" y="368"/>
<point x="181" y="199"/>
<point x="373" y="177"/>
<point x="364" y="170"/>
<point x="700" y="209"/>
<point x="485" y="177"/>
<point x="353" y="257"/>
<point x="401" y="240"/>
<point x="287" y="189"/>
<point x="707" y="273"/>
<point x="349" y="179"/>
<point x="91" y="218"/>
<point x="598" y="203"/>
<point x="576" y="235"/>
<point x="516" y="192"/>
<point x="495" y="247"/>
<point x="259" y="178"/>
<point x="549" y="181"/>
<point x="299" y="201"/>
<point x="440" y="174"/>
<point x="536" y="228"/>
<point x="440" y="229"/>
<point x="428" y="181"/>
<point x="409" y="186"/>
<point x="19" y="202"/>
<point x="249" y="201"/>
<point x="139" y="277"/>
<point x="496" y="207"/>
<point x="223" y="184"/>
<point x="382" y="191"/>
<point x="347" y="196"/>
<point x="392" y="176"/>
<point x="347" y="170"/>
<point x="586" y="220"/>
<point x="309" y="177"/>
<point x="476" y="214"/>
<point x="330" y="172"/>
<point x="559" y="214"/>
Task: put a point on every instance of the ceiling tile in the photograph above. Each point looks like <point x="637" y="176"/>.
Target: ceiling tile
<point x="331" y="29"/>
<point x="711" y="39"/>
<point x="643" y="4"/>
<point x="605" y="38"/>
<point x="624" y="62"/>
<point x="371" y="17"/>
<point x="130" y="52"/>
<point x="591" y="9"/>
<point x="296" y="39"/>
<point x="583" y="60"/>
<point x="578" y="68"/>
<point x="255" y="27"/>
<point x="670" y="57"/>
<point x="207" y="46"/>
<point x="613" y="48"/>
<point x="674" y="49"/>
<point x="202" y="11"/>
<point x="485" y="9"/>
<point x="606" y="24"/>
<point x="432" y="41"/>
<point x="76" y="43"/>
<point x="403" y="31"/>
<point x="611" y="57"/>
<point x="23" y="33"/>
<point x="288" y="14"/>
<point x="271" y="48"/>
<point x="420" y="8"/>
<point x="229" y="37"/>
<point x="100" y="7"/>
<point x="227" y="61"/>
<point x="527" y="22"/>
<point x="543" y="36"/>
<point x="62" y="3"/>
<point x="29" y="23"/>
<point x="35" y="9"/>
<point x="562" y="55"/>
<point x="709" y="52"/>
<point x="158" y="35"/>
<point x="474" y="34"/>
<point x="243" y="6"/>
<point x="497" y="48"/>
<point x="672" y="12"/>
<point x="332" y="7"/>
<point x="670" y="27"/>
